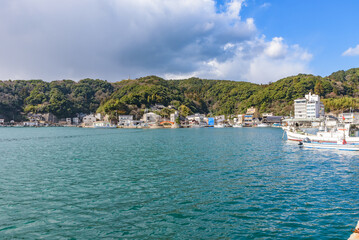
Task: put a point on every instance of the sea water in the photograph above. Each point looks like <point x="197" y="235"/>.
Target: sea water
<point x="206" y="183"/>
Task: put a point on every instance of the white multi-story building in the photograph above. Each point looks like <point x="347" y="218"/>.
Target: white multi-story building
<point x="308" y="107"/>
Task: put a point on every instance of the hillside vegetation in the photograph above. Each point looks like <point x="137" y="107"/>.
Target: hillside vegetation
<point x="66" y="98"/>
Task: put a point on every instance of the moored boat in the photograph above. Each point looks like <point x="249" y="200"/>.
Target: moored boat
<point x="339" y="145"/>
<point x="331" y="136"/>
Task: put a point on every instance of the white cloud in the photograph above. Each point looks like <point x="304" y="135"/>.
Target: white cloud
<point x="234" y="8"/>
<point x="265" y="5"/>
<point x="113" y="39"/>
<point x="352" y="51"/>
<point x="276" y="48"/>
<point x="259" y="61"/>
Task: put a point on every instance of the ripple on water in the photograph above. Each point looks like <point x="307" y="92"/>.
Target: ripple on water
<point x="174" y="183"/>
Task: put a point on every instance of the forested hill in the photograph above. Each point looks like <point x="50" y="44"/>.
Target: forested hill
<point x="66" y="98"/>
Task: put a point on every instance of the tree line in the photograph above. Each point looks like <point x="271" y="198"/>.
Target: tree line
<point x="66" y="98"/>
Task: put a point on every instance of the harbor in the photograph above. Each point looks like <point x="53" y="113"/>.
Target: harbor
<point x="172" y="183"/>
<point x="206" y="119"/>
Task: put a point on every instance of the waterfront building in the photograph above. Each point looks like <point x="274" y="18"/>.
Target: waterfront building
<point x="174" y="116"/>
<point x="103" y="124"/>
<point x="273" y="119"/>
<point x="30" y="124"/>
<point x="76" y="121"/>
<point x="50" y="118"/>
<point x="125" y="117"/>
<point x="250" y="117"/>
<point x="220" y="118"/>
<point x="89" y="120"/>
<point x="151" y="117"/>
<point x="248" y="120"/>
<point x="62" y="122"/>
<point x="239" y="119"/>
<point x="196" y="117"/>
<point x="308" y="107"/>
<point x="35" y="117"/>
<point x="125" y="120"/>
<point x="253" y="111"/>
<point x="68" y="121"/>
<point x="300" y="108"/>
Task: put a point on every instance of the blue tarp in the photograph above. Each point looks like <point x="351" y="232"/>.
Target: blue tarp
<point x="211" y="121"/>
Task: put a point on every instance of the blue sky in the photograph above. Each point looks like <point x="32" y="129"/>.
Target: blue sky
<point x="327" y="28"/>
<point x="243" y="40"/>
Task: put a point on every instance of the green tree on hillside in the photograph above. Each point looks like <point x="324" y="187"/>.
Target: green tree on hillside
<point x="319" y="89"/>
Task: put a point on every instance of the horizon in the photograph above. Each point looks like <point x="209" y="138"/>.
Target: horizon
<point x="238" y="40"/>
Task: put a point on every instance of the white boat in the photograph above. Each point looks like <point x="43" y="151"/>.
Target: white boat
<point x="237" y="125"/>
<point x="339" y="145"/>
<point x="219" y="125"/>
<point x="263" y="125"/>
<point x="332" y="136"/>
<point x="103" y="125"/>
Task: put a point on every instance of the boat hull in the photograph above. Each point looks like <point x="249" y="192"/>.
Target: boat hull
<point x="344" y="147"/>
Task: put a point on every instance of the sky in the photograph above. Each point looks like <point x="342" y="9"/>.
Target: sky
<point x="258" y="41"/>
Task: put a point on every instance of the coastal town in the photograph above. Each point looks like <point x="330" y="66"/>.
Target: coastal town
<point x="308" y="112"/>
<point x="179" y="119"/>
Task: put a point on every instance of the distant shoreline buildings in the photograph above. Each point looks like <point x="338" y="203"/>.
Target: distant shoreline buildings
<point x="307" y="111"/>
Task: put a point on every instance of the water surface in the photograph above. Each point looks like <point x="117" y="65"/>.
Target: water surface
<point x="172" y="184"/>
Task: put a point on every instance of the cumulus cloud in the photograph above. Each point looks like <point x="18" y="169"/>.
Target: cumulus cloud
<point x="259" y="61"/>
<point x="352" y="51"/>
<point x="276" y="48"/>
<point x="111" y="39"/>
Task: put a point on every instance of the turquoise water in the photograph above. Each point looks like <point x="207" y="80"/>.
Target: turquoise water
<point x="172" y="184"/>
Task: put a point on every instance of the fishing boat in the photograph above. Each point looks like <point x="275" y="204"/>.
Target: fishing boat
<point x="349" y="132"/>
<point x="341" y="144"/>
